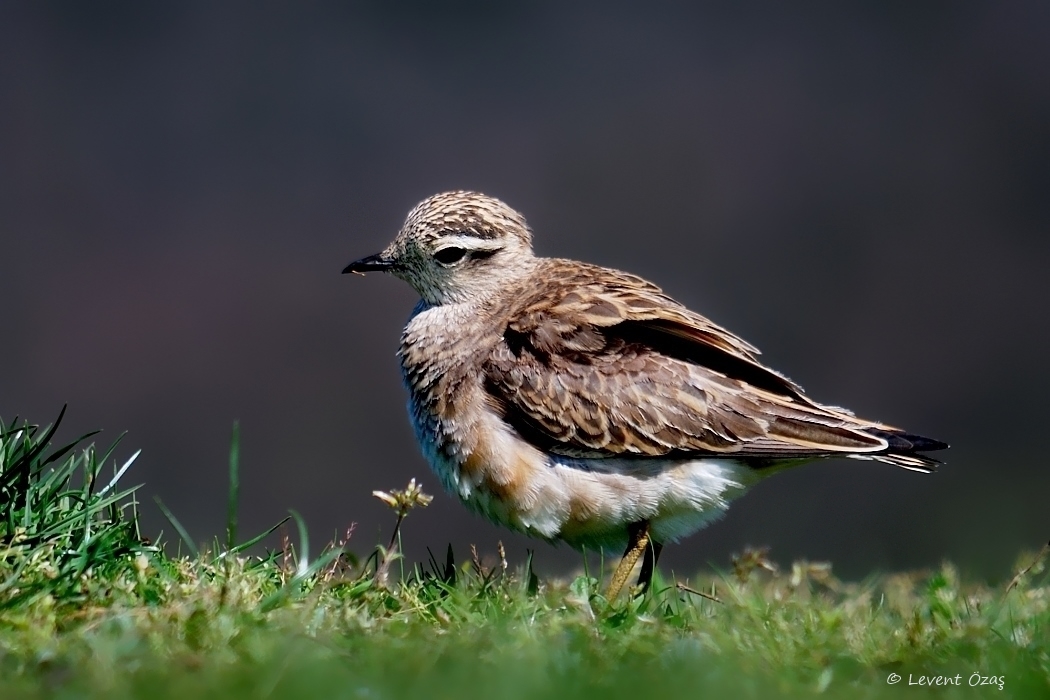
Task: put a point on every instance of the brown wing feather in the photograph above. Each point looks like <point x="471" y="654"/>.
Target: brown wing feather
<point x="602" y="364"/>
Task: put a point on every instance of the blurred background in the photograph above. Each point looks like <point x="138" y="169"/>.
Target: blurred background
<point x="861" y="190"/>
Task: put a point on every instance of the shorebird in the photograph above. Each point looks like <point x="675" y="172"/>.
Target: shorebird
<point x="582" y="404"/>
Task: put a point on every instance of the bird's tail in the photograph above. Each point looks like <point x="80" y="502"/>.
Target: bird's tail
<point x="904" y="450"/>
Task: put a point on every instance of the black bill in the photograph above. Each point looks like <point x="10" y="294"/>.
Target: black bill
<point x="373" y="263"/>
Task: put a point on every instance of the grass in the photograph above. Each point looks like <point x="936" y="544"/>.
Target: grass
<point x="90" y="608"/>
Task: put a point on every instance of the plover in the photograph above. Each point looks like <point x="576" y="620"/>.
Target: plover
<point x="578" y="403"/>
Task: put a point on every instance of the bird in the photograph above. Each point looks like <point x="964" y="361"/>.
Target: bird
<point x="581" y="404"/>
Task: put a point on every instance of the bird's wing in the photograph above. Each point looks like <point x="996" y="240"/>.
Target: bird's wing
<point x="603" y="364"/>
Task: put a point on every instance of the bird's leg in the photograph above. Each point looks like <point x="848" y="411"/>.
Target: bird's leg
<point x="637" y="544"/>
<point x="652" y="555"/>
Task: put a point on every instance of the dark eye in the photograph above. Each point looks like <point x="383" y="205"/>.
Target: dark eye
<point x="450" y="255"/>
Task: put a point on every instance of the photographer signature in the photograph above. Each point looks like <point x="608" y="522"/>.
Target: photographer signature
<point x="975" y="679"/>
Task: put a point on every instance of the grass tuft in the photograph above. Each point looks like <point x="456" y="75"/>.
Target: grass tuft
<point x="54" y="515"/>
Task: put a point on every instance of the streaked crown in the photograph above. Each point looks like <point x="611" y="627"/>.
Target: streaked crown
<point x="467" y="214"/>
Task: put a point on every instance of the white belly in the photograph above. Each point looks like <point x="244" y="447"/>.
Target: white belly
<point x="677" y="497"/>
<point x="590" y="502"/>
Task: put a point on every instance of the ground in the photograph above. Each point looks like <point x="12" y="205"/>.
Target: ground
<point x="89" y="608"/>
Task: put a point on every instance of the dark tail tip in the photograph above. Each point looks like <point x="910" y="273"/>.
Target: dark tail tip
<point x="900" y="441"/>
<point x="904" y="448"/>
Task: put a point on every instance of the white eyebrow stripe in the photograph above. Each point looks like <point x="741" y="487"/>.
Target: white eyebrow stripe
<point x="467" y="243"/>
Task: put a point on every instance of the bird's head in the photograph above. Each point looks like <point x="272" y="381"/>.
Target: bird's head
<point x="454" y="247"/>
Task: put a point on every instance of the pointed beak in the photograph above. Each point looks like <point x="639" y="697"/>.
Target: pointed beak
<point x="373" y="263"/>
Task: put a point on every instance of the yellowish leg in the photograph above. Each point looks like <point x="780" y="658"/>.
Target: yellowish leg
<point x="637" y="543"/>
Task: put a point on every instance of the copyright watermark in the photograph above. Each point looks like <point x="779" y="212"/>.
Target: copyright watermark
<point x="975" y="679"/>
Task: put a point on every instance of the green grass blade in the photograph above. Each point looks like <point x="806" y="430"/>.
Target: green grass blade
<point x="119" y="474"/>
<point x="304" y="544"/>
<point x="292" y="588"/>
<point x="87" y="510"/>
<point x="183" y="535"/>
<point x="258" y="538"/>
<point x="235" y="486"/>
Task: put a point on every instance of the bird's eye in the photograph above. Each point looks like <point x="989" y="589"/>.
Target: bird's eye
<point x="450" y="255"/>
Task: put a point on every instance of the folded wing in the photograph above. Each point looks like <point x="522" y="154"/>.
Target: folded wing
<point x="603" y="364"/>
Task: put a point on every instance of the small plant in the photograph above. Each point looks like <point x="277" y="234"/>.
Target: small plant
<point x="401" y="502"/>
<point x="752" y="559"/>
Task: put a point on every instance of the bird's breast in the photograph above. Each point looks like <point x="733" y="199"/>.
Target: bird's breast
<point x="467" y="445"/>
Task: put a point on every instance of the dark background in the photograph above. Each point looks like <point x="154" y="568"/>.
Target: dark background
<point x="860" y="190"/>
